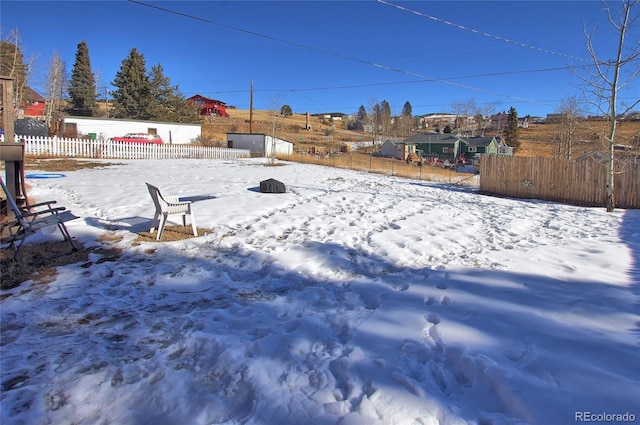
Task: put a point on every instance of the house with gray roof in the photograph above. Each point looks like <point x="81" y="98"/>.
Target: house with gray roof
<point x="441" y="145"/>
<point x="451" y="147"/>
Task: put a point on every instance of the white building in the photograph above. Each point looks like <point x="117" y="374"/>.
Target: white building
<point x="106" y="128"/>
<point x="259" y="144"/>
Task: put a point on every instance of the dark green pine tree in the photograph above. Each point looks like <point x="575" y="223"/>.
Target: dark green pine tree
<point x="168" y="103"/>
<point x="407" y="110"/>
<point x="407" y="119"/>
<point x="286" y="111"/>
<point x="362" y="114"/>
<point x="82" y="87"/>
<point x="511" y="132"/>
<point x="133" y="97"/>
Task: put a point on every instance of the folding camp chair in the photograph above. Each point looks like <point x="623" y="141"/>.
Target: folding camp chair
<point x="31" y="218"/>
<point x="166" y="206"/>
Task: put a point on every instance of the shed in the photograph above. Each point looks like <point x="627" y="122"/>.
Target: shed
<point x="259" y="144"/>
<point x="177" y="133"/>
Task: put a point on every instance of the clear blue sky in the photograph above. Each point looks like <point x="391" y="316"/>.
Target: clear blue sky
<point x="326" y="56"/>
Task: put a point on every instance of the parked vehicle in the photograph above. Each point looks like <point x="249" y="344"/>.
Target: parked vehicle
<point x="139" y="138"/>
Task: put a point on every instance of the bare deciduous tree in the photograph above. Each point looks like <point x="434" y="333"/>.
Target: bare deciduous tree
<point x="12" y="64"/>
<point x="464" y="110"/>
<point x="484" y="113"/>
<point x="276" y="128"/>
<point x="55" y="88"/>
<point x="570" y="114"/>
<point x="604" y="79"/>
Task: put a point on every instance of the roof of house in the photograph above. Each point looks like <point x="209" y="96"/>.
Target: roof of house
<point x="443" y="138"/>
<point x="480" y="141"/>
<point x="397" y="141"/>
<point x="29" y="95"/>
<point x="199" y="96"/>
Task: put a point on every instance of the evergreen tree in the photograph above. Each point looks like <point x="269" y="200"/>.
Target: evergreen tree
<point x="362" y="114"/>
<point x="133" y="97"/>
<point x="286" y="111"/>
<point x="407" y="110"/>
<point x="406" y="119"/>
<point x="168" y="103"/>
<point x="511" y="132"/>
<point x="82" y="87"/>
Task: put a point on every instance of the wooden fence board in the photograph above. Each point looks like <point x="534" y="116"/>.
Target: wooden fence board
<point x="561" y="180"/>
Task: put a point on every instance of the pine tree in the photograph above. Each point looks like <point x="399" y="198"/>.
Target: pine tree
<point x="286" y="111"/>
<point x="406" y="119"/>
<point x="511" y="132"/>
<point x="168" y="103"/>
<point x="82" y="87"/>
<point x="407" y="110"/>
<point x="133" y="97"/>
<point x="362" y="114"/>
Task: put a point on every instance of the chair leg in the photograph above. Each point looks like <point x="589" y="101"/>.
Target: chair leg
<point x="155" y="222"/>
<point x="67" y="236"/>
<point x="18" y="246"/>
<point x="193" y="224"/>
<point x="163" y="221"/>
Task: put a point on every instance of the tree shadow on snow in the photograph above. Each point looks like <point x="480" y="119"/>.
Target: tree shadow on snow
<point x="235" y="311"/>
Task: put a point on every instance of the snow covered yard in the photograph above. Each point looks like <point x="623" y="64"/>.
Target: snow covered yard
<point x="353" y="298"/>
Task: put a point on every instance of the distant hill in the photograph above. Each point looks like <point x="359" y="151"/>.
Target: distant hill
<point x="537" y="140"/>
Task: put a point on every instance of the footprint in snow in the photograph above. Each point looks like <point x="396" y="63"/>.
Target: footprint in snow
<point x="433" y="318"/>
<point x="432" y="300"/>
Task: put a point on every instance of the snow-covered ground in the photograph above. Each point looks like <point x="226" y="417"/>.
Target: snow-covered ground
<point x="353" y="298"/>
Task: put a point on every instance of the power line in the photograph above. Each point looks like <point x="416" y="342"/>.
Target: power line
<point x="478" y="32"/>
<point x="425" y="80"/>
<point x="326" y="52"/>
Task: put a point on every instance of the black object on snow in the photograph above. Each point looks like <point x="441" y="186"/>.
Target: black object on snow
<point x="30" y="127"/>
<point x="272" y="186"/>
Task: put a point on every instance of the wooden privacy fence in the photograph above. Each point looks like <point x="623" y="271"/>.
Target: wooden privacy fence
<point x="90" y="148"/>
<point x="562" y="180"/>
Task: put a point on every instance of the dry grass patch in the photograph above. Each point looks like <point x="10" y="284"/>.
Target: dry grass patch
<point x="170" y="234"/>
<point x="38" y="262"/>
<point x="46" y="163"/>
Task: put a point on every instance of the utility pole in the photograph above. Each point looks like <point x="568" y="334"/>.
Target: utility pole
<point x="251" y="110"/>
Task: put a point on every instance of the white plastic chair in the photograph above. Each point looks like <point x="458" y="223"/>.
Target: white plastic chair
<point x="166" y="206"/>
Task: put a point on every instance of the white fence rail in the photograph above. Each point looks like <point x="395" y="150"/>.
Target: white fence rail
<point x="88" y="148"/>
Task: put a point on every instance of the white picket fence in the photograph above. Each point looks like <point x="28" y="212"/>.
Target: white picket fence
<point x="89" y="148"/>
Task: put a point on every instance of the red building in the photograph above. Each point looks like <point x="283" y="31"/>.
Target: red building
<point x="208" y="106"/>
<point x="32" y="103"/>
